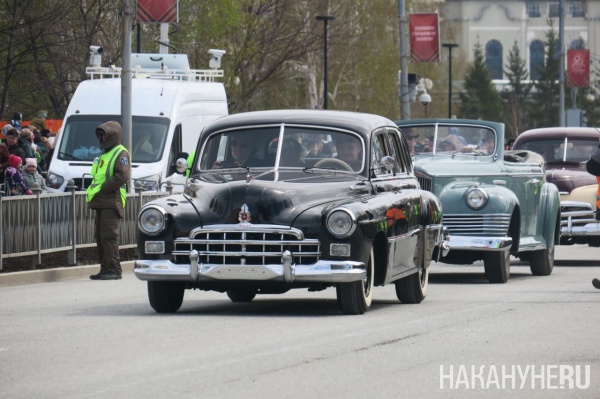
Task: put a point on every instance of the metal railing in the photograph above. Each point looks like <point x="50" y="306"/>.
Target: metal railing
<point x="32" y="225"/>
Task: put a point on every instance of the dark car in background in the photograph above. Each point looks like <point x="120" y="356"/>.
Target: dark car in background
<point x="565" y="151"/>
<point x="264" y="211"/>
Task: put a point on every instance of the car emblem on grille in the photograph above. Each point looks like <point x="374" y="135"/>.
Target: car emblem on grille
<point x="244" y="214"/>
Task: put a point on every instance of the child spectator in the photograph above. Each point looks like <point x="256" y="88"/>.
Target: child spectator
<point x="3" y="158"/>
<point x="16" y="120"/>
<point x="13" y="180"/>
<point x="31" y="175"/>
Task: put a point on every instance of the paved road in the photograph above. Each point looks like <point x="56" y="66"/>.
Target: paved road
<point x="99" y="339"/>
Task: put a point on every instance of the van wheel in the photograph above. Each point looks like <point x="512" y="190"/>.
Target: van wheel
<point x="165" y="296"/>
<point x="356" y="297"/>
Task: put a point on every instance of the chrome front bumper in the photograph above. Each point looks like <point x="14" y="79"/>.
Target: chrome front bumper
<point x="578" y="219"/>
<point x="332" y="271"/>
<point x="470" y="243"/>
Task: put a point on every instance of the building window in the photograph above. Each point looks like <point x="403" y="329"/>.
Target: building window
<point x="554" y="10"/>
<point x="576" y="9"/>
<point x="493" y="58"/>
<point x="533" y="9"/>
<point x="536" y="59"/>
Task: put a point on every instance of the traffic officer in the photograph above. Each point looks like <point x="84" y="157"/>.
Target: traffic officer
<point x="107" y="195"/>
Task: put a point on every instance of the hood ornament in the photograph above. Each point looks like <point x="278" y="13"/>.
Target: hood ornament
<point x="244" y="214"/>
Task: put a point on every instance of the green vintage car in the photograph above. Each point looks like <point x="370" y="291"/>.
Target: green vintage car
<point x="495" y="203"/>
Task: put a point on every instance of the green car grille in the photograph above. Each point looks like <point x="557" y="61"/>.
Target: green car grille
<point x="493" y="224"/>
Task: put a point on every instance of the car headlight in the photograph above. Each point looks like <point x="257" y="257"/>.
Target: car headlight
<point x="476" y="198"/>
<point x="152" y="220"/>
<point x="149" y="183"/>
<point x="341" y="223"/>
<point x="54" y="181"/>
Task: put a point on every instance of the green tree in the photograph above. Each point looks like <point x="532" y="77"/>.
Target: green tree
<point x="479" y="98"/>
<point x="543" y="109"/>
<point x="516" y="96"/>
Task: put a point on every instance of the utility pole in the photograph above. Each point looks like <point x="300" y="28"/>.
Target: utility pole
<point x="126" y="79"/>
<point x="561" y="75"/>
<point x="404" y="95"/>
<point x="325" y="19"/>
<point x="449" y="46"/>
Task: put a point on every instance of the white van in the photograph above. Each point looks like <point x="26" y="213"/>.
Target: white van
<point x="171" y="105"/>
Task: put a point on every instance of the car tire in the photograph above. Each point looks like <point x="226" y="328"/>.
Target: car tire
<point x="241" y="295"/>
<point x="497" y="266"/>
<point x="356" y="297"/>
<point x="165" y="296"/>
<point x="413" y="288"/>
<point x="541" y="262"/>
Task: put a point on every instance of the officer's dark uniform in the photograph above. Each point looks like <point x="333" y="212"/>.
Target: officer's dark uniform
<point x="106" y="194"/>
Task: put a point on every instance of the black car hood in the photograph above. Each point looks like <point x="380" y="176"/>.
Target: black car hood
<point x="270" y="198"/>
<point x="568" y="176"/>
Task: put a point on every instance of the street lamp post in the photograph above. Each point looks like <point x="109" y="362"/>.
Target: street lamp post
<point x="325" y="19"/>
<point x="449" y="46"/>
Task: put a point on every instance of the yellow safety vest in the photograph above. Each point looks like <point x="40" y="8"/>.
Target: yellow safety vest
<point x="102" y="170"/>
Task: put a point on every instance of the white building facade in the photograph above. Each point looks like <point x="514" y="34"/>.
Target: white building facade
<point x="497" y="25"/>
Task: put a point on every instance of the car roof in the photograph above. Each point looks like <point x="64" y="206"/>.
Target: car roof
<point x="354" y="121"/>
<point x="559" y="132"/>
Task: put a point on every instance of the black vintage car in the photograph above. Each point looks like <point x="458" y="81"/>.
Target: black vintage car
<point x="293" y="199"/>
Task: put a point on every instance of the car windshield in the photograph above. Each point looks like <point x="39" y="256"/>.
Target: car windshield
<point x="563" y="149"/>
<point x="447" y="139"/>
<point x="283" y="147"/>
<point x="79" y="142"/>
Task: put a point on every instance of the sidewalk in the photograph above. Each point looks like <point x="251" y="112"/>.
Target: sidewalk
<point x="52" y="275"/>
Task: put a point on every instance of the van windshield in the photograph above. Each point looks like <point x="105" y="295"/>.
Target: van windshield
<point x="79" y="142"/>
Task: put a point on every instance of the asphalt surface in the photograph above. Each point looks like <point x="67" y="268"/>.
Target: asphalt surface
<point x="583" y="254"/>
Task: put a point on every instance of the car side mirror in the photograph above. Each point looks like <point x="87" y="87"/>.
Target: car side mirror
<point x="387" y="163"/>
<point x="181" y="165"/>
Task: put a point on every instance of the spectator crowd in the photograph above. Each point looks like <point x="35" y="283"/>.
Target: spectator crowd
<point x="25" y="154"/>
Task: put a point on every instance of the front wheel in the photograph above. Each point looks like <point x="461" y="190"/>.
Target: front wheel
<point x="413" y="288"/>
<point x="541" y="262"/>
<point x="497" y="266"/>
<point x="356" y="297"/>
<point x="241" y="295"/>
<point x="165" y="296"/>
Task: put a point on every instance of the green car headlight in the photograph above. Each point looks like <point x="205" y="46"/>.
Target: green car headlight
<point x="152" y="220"/>
<point x="476" y="198"/>
<point x="341" y="223"/>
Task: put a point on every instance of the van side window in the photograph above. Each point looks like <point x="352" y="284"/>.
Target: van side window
<point x="175" y="147"/>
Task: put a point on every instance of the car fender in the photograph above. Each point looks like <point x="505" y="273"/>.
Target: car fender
<point x="547" y="220"/>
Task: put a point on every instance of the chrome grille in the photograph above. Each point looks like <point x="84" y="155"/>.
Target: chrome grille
<point x="577" y="213"/>
<point x="495" y="224"/>
<point x="424" y="181"/>
<point x="247" y="245"/>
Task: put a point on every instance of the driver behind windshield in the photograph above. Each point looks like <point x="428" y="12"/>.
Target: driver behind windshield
<point x="349" y="150"/>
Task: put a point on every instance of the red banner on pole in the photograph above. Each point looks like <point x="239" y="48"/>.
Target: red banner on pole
<point x="424" y="37"/>
<point x="578" y="67"/>
<point x="160" y="11"/>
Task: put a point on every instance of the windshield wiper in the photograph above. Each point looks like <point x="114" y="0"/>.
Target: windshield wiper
<point x="332" y="171"/>
<point x="71" y="157"/>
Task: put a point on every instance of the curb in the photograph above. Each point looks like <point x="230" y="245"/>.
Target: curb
<point x="53" y="275"/>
